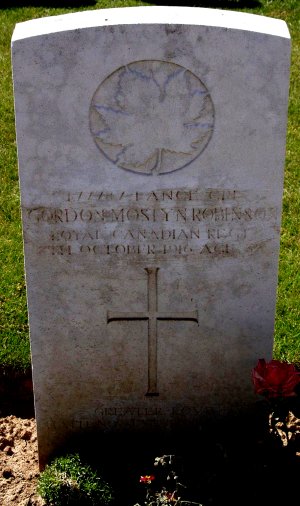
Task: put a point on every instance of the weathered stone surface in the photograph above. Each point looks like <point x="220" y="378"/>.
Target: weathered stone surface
<point x="151" y="147"/>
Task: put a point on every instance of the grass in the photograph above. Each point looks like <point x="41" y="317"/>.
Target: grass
<point x="68" y="481"/>
<point x="15" y="350"/>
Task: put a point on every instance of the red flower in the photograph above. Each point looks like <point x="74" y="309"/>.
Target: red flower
<point x="275" y="378"/>
<point x="169" y="496"/>
<point x="147" y="479"/>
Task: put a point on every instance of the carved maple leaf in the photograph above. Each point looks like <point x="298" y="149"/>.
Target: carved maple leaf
<point x="152" y="116"/>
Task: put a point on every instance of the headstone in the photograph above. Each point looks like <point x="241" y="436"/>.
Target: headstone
<point x="151" y="146"/>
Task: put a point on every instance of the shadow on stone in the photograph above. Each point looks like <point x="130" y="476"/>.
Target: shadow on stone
<point x="215" y="464"/>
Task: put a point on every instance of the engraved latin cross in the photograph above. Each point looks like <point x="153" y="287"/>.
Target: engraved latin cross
<point x="152" y="315"/>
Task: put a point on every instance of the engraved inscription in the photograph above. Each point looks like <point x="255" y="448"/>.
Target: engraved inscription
<point x="161" y="223"/>
<point x="151" y="117"/>
<point x="165" y="195"/>
<point x="150" y="215"/>
<point x="117" y="415"/>
<point x="152" y="315"/>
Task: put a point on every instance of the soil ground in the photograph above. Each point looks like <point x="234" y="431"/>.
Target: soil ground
<point x="233" y="465"/>
<point x="18" y="462"/>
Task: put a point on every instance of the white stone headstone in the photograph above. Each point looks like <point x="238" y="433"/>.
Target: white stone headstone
<point x="151" y="146"/>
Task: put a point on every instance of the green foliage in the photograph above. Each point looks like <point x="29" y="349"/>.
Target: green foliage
<point x="68" y="482"/>
<point x="14" y="349"/>
<point x="164" y="488"/>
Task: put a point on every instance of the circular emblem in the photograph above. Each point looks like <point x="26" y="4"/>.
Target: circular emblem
<point x="151" y="117"/>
